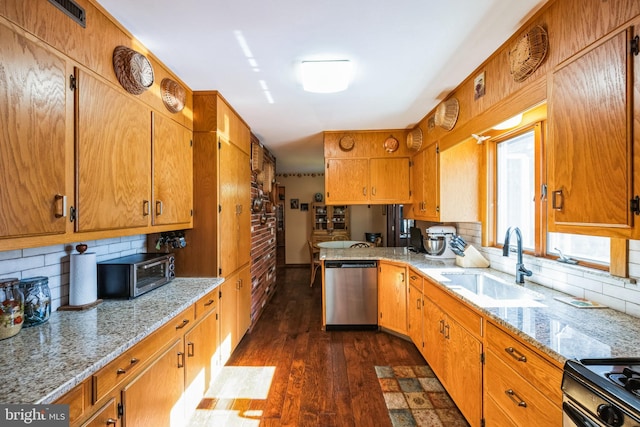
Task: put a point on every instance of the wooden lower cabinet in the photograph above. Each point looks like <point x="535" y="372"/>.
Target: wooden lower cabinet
<point x="392" y="297"/>
<point x="243" y="303"/>
<point x="107" y="415"/>
<point x="154" y="398"/>
<point x="520" y="382"/>
<point x="454" y="355"/>
<point x="202" y="363"/>
<point x="414" y="309"/>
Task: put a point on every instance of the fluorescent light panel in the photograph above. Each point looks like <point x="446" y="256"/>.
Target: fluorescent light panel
<point x="509" y="123"/>
<point x="326" y="76"/>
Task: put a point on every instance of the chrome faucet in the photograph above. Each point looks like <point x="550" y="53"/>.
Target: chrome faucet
<point x="521" y="271"/>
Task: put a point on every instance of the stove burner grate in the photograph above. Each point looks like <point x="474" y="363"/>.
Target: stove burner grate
<point x="629" y="379"/>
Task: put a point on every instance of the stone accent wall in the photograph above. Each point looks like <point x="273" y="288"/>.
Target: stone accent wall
<point x="263" y="241"/>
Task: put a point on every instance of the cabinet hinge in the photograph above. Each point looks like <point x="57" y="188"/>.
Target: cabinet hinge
<point x="191" y="143"/>
<point x="191" y="212"/>
<point x="73" y="82"/>
<point x="72" y="214"/>
<point x="482" y="358"/>
<point x="635" y="45"/>
<point x="219" y="145"/>
<point x="437" y="149"/>
<point x="219" y="296"/>
<point x="482" y="424"/>
<point x="219" y="208"/>
<point x="635" y="205"/>
<point x="120" y="410"/>
<point x="220" y="272"/>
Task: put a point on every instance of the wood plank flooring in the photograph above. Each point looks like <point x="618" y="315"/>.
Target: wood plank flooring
<point x="318" y="378"/>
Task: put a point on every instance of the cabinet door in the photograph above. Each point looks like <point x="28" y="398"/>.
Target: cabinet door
<point x="172" y="172"/>
<point x="201" y="344"/>
<point x="433" y="323"/>
<point x="243" y="200"/>
<point x="229" y="159"/>
<point x="347" y="181"/>
<point x="463" y="370"/>
<point x="113" y="157"/>
<point x="431" y="184"/>
<point x="33" y="121"/>
<point x="590" y="138"/>
<point x="154" y="398"/>
<point x="389" y="179"/>
<point x="459" y="185"/>
<point x="228" y="305"/>
<point x="392" y="297"/>
<point x="415" y="209"/>
<point x="244" y="301"/>
<point x="414" y="315"/>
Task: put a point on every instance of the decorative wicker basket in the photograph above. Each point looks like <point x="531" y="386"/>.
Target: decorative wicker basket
<point x="414" y="139"/>
<point x="447" y="113"/>
<point x="173" y="95"/>
<point x="346" y="143"/>
<point x="528" y="53"/>
<point x="133" y="70"/>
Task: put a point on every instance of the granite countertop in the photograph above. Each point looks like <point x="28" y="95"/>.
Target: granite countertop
<point x="555" y="328"/>
<point x="43" y="362"/>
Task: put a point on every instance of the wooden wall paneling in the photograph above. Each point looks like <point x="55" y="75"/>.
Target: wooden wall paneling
<point x="205" y="111"/>
<point x="200" y="256"/>
<point x="93" y="46"/>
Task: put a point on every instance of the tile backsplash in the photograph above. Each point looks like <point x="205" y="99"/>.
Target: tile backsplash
<point x="53" y="262"/>
<point x="596" y="285"/>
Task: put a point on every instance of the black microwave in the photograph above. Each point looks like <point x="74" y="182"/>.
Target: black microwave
<point x="134" y="275"/>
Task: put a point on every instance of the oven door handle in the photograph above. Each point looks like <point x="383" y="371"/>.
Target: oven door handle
<point x="576" y="416"/>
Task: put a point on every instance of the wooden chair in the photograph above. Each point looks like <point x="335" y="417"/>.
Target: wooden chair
<point x="361" y="245"/>
<point x="314" y="260"/>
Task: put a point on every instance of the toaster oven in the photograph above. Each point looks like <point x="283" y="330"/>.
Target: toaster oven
<point x="134" y="275"/>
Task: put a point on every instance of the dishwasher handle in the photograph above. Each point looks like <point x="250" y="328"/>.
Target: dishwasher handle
<point x="350" y="264"/>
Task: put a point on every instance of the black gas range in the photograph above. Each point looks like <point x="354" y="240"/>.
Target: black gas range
<point x="601" y="392"/>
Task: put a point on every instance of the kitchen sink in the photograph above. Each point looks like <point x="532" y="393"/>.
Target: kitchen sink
<point x="487" y="290"/>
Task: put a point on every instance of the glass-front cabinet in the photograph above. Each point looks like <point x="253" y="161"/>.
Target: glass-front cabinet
<point x="329" y="222"/>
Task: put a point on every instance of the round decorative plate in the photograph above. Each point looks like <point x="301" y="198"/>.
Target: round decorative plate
<point x="347" y="143"/>
<point x="133" y="70"/>
<point x="317" y="197"/>
<point x="391" y="144"/>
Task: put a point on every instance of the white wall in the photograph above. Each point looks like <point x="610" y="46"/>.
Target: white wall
<point x="53" y="262"/>
<point x="368" y="219"/>
<point x="297" y="223"/>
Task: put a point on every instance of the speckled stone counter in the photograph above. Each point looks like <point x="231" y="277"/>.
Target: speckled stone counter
<point x="43" y="362"/>
<point x="557" y="329"/>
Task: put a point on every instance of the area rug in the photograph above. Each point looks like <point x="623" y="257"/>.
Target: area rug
<point x="415" y="398"/>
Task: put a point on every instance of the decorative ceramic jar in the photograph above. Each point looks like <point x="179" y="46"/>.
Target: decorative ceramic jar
<point x="37" y="300"/>
<point x="11" y="308"/>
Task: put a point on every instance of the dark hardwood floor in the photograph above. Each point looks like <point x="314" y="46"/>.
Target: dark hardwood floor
<point x="317" y="378"/>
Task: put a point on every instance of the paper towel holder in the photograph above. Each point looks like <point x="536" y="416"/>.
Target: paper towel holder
<point x="81" y="248"/>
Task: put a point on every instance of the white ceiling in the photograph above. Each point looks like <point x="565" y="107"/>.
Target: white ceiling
<point x="408" y="54"/>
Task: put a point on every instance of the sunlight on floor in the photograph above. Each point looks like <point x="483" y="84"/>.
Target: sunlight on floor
<point x="228" y="402"/>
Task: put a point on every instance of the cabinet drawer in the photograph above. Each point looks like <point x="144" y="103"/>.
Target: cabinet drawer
<point x="494" y="415"/>
<point x="78" y="400"/>
<point x="526" y="362"/>
<point x="455" y="308"/>
<point x="131" y="361"/>
<point x="105" y="416"/>
<point x="415" y="279"/>
<point x="206" y="303"/>
<point x="517" y="397"/>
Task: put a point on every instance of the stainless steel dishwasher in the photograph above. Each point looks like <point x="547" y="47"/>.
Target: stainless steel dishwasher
<point x="351" y="294"/>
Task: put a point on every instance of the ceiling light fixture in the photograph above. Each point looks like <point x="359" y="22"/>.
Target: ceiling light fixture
<point x="326" y="76"/>
<point x="509" y="123"/>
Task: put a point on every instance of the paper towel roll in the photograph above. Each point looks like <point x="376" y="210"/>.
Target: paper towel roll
<point x="83" y="287"/>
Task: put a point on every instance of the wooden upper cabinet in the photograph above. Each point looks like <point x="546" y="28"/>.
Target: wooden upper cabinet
<point x="389" y="180"/>
<point x="347" y="181"/>
<point x="113" y="149"/>
<point x="172" y="172"/>
<point x="34" y="100"/>
<point x="590" y="143"/>
<point x="363" y="168"/>
<point x="446" y="184"/>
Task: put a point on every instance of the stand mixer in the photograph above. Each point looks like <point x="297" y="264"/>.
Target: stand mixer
<point x="437" y="239"/>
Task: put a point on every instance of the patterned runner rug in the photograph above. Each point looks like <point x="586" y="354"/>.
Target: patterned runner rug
<point x="415" y="398"/>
